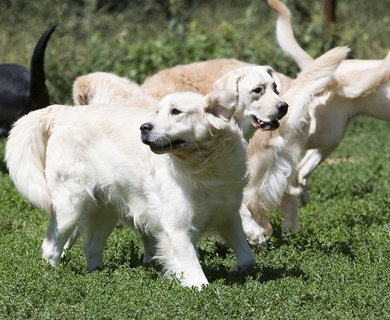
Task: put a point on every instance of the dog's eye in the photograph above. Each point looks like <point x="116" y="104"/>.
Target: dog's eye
<point x="275" y="87"/>
<point x="258" y="90"/>
<point x="175" y="111"/>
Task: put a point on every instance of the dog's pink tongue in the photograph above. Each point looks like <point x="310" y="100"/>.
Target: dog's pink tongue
<point x="261" y="123"/>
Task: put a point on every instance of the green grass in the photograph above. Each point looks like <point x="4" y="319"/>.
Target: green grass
<point x="337" y="267"/>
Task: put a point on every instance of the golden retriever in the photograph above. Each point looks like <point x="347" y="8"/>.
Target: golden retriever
<point x="105" y="87"/>
<point x="360" y="87"/>
<point x="86" y="166"/>
<point x="198" y="76"/>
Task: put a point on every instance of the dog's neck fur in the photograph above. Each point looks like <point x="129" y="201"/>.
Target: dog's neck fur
<point x="210" y="158"/>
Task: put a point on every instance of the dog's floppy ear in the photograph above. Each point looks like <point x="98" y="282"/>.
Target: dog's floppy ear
<point x="82" y="91"/>
<point x="272" y="73"/>
<point x="276" y="78"/>
<point x="230" y="80"/>
<point x="220" y="107"/>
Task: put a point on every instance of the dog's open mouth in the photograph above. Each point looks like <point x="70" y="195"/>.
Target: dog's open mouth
<point x="264" y="125"/>
<point x="160" y="147"/>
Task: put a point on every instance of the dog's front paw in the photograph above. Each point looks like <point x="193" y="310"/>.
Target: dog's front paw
<point x="239" y="269"/>
<point x="255" y="240"/>
<point x="243" y="266"/>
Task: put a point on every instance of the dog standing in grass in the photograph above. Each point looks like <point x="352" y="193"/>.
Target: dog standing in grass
<point x="360" y="87"/>
<point x="86" y="166"/>
<point x="23" y="90"/>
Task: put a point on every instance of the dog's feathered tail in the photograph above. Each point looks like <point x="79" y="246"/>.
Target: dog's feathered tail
<point x="361" y="83"/>
<point x="26" y="156"/>
<point x="285" y="35"/>
<point x="311" y="81"/>
<point x="39" y="96"/>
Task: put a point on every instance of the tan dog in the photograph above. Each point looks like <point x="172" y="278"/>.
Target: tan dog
<point x="104" y="87"/>
<point x="198" y="76"/>
<point x="273" y="156"/>
<point x="360" y="87"/>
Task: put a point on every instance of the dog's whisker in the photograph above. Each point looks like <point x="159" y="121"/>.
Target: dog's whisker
<point x="197" y="146"/>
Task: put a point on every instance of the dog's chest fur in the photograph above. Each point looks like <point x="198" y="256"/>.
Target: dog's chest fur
<point x="197" y="195"/>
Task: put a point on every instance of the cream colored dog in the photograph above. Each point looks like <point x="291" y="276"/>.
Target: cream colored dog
<point x="86" y="166"/>
<point x="360" y="87"/>
<point x="104" y="88"/>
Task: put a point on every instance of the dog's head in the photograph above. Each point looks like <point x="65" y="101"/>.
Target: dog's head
<point x="186" y="120"/>
<point x="259" y="102"/>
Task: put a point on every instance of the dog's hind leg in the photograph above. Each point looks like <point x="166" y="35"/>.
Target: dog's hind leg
<point x="60" y="227"/>
<point x="309" y="162"/>
<point x="98" y="226"/>
<point x="289" y="208"/>
<point x="232" y="232"/>
<point x="178" y="253"/>
<point x="73" y="238"/>
<point x="149" y="242"/>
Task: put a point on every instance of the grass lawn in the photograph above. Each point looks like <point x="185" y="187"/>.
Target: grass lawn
<point x="337" y="267"/>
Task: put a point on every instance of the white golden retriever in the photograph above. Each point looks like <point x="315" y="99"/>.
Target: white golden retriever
<point x="87" y="166"/>
<point x="360" y="87"/>
<point x="105" y="87"/>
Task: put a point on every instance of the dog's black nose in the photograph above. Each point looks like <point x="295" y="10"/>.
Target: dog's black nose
<point x="282" y="108"/>
<point x="146" y="127"/>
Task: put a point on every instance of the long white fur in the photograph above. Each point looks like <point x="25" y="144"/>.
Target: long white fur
<point x="87" y="167"/>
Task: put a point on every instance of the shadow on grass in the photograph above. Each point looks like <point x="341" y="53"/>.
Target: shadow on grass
<point x="216" y="269"/>
<point x="114" y="259"/>
<point x="302" y="241"/>
<point x="262" y="275"/>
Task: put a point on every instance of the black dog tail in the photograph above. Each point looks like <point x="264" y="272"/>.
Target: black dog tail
<point x="39" y="96"/>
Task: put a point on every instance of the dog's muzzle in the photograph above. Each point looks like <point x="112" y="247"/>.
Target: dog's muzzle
<point x="282" y="108"/>
<point x="146" y="128"/>
<point x="160" y="145"/>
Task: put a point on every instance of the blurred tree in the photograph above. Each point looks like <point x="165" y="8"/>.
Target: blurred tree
<point x="329" y="13"/>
